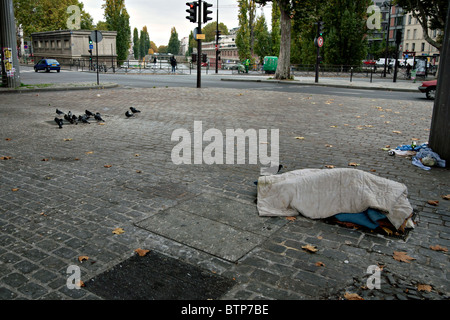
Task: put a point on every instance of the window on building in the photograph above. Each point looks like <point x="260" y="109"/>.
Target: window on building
<point x="422" y="46"/>
<point x="408" y="34"/>
<point x="409" y="18"/>
<point x="414" y="34"/>
<point x="413" y="47"/>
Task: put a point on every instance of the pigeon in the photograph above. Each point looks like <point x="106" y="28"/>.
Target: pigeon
<point x="83" y="119"/>
<point x="69" y="119"/>
<point x="59" y="122"/>
<point x="129" y="114"/>
<point x="59" y="112"/>
<point x="98" y="117"/>
<point x="134" y="110"/>
<point x="88" y="113"/>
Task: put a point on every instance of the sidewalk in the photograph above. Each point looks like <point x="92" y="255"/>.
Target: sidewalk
<point x="356" y="83"/>
<point x="89" y="195"/>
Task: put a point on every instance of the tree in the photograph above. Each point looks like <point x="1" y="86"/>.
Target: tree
<point x="102" y="25"/>
<point x="275" y="31"/>
<point x="243" y="33"/>
<point x="262" y="38"/>
<point x="136" y="43"/>
<point x="144" y="43"/>
<point x="431" y="15"/>
<point x="174" y="43"/>
<point x="118" y="19"/>
<point x="345" y="31"/>
<point x="289" y="10"/>
<point x="210" y="30"/>
<point x="47" y="15"/>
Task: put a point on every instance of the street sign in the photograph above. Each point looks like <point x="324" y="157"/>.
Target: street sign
<point x="320" y="41"/>
<point x="91" y="46"/>
<point x="96" y="36"/>
<point x="200" y="36"/>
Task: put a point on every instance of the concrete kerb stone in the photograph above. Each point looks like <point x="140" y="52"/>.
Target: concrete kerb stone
<point x="336" y="85"/>
<point x="69" y="86"/>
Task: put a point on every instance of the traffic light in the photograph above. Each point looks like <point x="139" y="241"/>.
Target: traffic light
<point x="90" y="40"/>
<point x="194" y="57"/>
<point x="204" y="57"/>
<point x="206" y="12"/>
<point x="320" y="28"/>
<point x="192" y="11"/>
<point x="219" y="33"/>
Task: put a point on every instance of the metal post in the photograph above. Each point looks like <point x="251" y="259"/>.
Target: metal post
<point x="217" y="39"/>
<point x="96" y="49"/>
<point x="317" y="55"/>
<point x="10" y="71"/>
<point x="387" y="39"/>
<point x="199" y="46"/>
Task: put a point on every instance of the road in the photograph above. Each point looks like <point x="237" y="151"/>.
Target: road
<point x="210" y="80"/>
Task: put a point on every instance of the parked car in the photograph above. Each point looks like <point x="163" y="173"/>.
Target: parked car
<point x="47" y="65"/>
<point x="429" y="88"/>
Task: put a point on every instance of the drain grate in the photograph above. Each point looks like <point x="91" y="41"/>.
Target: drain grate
<point x="158" y="277"/>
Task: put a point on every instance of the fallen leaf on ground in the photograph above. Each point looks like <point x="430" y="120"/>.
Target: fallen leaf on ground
<point x="300" y="138"/>
<point x="68" y="139"/>
<point x="352" y="296"/>
<point x="8" y="139"/>
<point x="329" y="145"/>
<point x="309" y="248"/>
<point x="15" y="189"/>
<point x="83" y="258"/>
<point x="320" y="264"/>
<point x="45" y="159"/>
<point x="446" y="197"/>
<point x="438" y="248"/>
<point x="330" y="166"/>
<point x="89" y="152"/>
<point x="353" y="164"/>
<point x="291" y="218"/>
<point x="118" y="231"/>
<point x="396" y="131"/>
<point x="387" y="230"/>
<point x="433" y="202"/>
<point x="402" y="256"/>
<point x="107" y="166"/>
<point x="424" y="287"/>
<point x="5" y="158"/>
<point x="141" y="252"/>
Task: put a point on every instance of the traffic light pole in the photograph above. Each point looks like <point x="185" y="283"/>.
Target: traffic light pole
<point x="217" y="39"/>
<point x="199" y="46"/>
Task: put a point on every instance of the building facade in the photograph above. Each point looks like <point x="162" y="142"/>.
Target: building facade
<point x="414" y="40"/>
<point x="71" y="47"/>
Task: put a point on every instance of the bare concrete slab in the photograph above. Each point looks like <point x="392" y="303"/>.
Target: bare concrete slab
<point x="217" y="225"/>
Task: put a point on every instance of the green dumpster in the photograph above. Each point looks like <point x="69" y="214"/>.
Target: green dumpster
<point x="270" y="64"/>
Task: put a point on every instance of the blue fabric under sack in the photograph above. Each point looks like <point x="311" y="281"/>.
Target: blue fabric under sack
<point x="366" y="218"/>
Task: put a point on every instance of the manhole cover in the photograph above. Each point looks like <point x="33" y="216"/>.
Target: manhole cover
<point x="158" y="277"/>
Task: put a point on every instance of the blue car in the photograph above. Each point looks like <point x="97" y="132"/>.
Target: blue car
<point x="47" y="65"/>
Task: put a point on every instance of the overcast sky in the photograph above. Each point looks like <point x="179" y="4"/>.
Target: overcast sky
<point x="161" y="15"/>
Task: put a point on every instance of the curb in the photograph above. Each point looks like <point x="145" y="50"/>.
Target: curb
<point x="347" y="86"/>
<point x="99" y="87"/>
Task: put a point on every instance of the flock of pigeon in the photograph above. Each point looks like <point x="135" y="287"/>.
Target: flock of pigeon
<point x="73" y="119"/>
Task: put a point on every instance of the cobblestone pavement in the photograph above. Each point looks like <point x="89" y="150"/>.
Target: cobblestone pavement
<point x="64" y="191"/>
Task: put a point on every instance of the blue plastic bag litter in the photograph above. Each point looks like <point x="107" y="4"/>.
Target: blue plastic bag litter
<point x="366" y="218"/>
<point x="423" y="151"/>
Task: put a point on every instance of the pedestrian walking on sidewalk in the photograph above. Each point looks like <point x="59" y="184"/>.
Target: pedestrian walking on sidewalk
<point x="173" y="62"/>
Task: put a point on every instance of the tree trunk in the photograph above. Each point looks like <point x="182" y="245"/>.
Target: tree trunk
<point x="440" y="122"/>
<point x="284" y="59"/>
